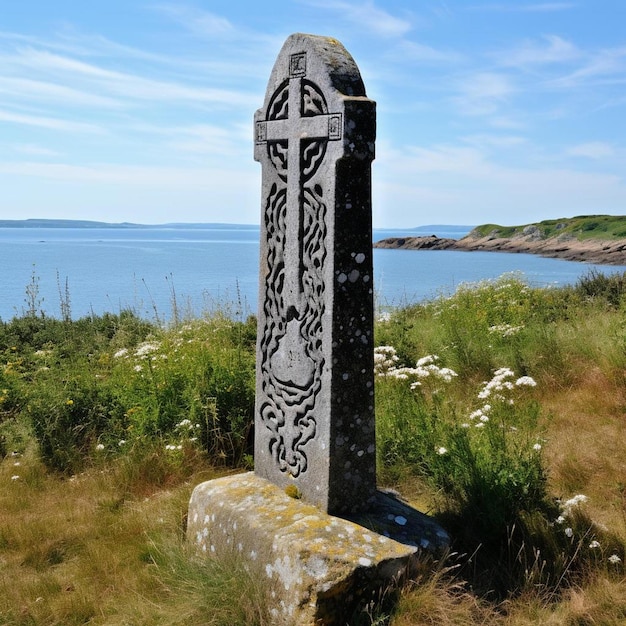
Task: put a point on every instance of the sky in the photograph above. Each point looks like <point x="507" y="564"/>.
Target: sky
<point x="503" y="112"/>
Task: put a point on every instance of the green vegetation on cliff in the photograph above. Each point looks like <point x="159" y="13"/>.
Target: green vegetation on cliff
<point x="609" y="227"/>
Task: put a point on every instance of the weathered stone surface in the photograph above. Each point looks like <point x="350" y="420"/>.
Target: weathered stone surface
<point x="320" y="568"/>
<point x="314" y="137"/>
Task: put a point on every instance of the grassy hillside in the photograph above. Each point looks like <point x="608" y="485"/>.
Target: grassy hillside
<point x="500" y="411"/>
<point x="609" y="227"/>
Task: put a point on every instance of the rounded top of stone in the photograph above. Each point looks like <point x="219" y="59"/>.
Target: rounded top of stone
<point x="326" y="58"/>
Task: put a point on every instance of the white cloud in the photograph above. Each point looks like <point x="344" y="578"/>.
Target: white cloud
<point x="518" y="7"/>
<point x="592" y="150"/>
<point x="49" y="122"/>
<point x="413" y="52"/>
<point x="35" y="150"/>
<point x="367" y="16"/>
<point x="25" y="88"/>
<point x="461" y="184"/>
<point x="494" y="141"/>
<point x="128" y="85"/>
<point x="200" y="22"/>
<point x="483" y="93"/>
<point x="604" y="67"/>
<point x="553" y="50"/>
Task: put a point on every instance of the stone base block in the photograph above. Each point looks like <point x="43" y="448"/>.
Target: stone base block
<point x="320" y="568"/>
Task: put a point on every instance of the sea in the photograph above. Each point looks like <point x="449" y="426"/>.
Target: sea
<point x="178" y="271"/>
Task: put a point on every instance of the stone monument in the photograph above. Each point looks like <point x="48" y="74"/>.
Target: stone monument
<point x="315" y="453"/>
<point x="314" y="136"/>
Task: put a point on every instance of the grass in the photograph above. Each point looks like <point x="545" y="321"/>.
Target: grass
<point x="107" y="423"/>
<point x="609" y="227"/>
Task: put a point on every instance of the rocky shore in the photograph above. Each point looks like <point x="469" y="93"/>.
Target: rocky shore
<point x="608" y="252"/>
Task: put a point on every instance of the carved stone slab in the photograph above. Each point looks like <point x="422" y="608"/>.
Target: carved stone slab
<point x="314" y="137"/>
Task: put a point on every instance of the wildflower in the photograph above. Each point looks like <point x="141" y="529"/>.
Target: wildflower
<point x="385" y="359"/>
<point x="100" y="447"/>
<point x="614" y="559"/>
<point x="69" y="402"/>
<point x="484" y="418"/>
<point x="120" y="353"/>
<point x="138" y="368"/>
<point x="560" y="519"/>
<point x="427" y="360"/>
<point x="537" y="447"/>
<point x="480" y="425"/>
<point x="441" y="451"/>
<point x="170" y="446"/>
<point x="184" y="423"/>
<point x="16" y="477"/>
<point x="525" y="381"/>
<point x="569" y="532"/>
<point x="573" y="502"/>
<point x="594" y="544"/>
<point x="146" y="348"/>
<point x="121" y="442"/>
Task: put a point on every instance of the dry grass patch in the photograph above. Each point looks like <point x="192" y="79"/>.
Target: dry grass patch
<point x="88" y="550"/>
<point x="586" y="447"/>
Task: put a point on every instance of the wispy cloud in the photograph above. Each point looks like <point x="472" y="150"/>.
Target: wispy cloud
<point x="606" y="66"/>
<point x="518" y="7"/>
<point x="592" y="150"/>
<point x="37" y="151"/>
<point x="483" y="93"/>
<point x="414" y="52"/>
<point x="27" y="89"/>
<point x="367" y="16"/>
<point x="552" y="49"/>
<point x="129" y="85"/>
<point x="50" y="123"/>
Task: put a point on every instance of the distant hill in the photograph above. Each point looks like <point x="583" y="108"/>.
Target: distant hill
<point x="589" y="238"/>
<point x="52" y="223"/>
<point x="582" y="227"/>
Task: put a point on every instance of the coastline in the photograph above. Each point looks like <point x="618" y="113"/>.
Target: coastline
<point x="601" y="252"/>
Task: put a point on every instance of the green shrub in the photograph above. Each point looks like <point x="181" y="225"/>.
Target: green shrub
<point x="67" y="420"/>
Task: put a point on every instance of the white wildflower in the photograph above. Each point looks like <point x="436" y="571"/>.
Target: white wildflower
<point x="138" y="368"/>
<point x="15" y="477"/>
<point x="427" y="360"/>
<point x="100" y="446"/>
<point x="146" y="348"/>
<point x="121" y="442"/>
<point x="594" y="544"/>
<point x="526" y="381"/>
<point x="120" y="353"/>
<point x="441" y="450"/>
<point x="614" y="559"/>
<point x="537" y="447"/>
<point x="505" y="330"/>
<point x="569" y="532"/>
<point x="573" y="502"/>
<point x="484" y="418"/>
<point x="560" y="519"/>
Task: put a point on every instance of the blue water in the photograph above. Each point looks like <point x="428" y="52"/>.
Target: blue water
<point x="200" y="268"/>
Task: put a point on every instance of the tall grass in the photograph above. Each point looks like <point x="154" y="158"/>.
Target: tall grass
<point x="499" y="410"/>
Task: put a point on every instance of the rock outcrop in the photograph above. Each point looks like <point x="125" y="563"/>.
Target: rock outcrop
<point x="608" y="252"/>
